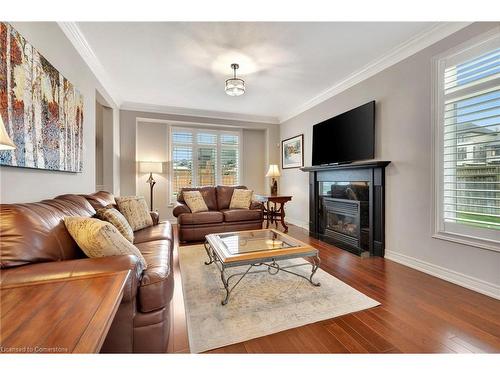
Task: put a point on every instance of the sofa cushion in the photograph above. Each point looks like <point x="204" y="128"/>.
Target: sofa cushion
<point x="35" y="232"/>
<point x="156" y="289"/>
<point x="98" y="238"/>
<point x="113" y="216"/>
<point x="162" y="231"/>
<point x="208" y="217"/>
<point x="208" y="194"/>
<point x="242" y="215"/>
<point x="195" y="201"/>
<point x="135" y="211"/>
<point x="242" y="198"/>
<point x="224" y="195"/>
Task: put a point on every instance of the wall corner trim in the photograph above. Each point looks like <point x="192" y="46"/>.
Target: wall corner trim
<point x="299" y="223"/>
<point x="469" y="282"/>
<point x="82" y="46"/>
<point x="395" y="55"/>
<point x="182" y="111"/>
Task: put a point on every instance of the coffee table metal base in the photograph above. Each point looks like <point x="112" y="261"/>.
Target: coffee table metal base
<point x="271" y="264"/>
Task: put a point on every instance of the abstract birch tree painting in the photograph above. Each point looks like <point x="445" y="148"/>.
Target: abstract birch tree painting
<point x="41" y="110"/>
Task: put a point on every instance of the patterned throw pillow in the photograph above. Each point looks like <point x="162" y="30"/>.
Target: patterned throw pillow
<point x="195" y="201"/>
<point x="136" y="211"/>
<point x="241" y="199"/>
<point x="99" y="238"/>
<point x="113" y="216"/>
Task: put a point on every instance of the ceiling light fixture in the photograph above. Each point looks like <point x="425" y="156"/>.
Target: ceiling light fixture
<point x="235" y="86"/>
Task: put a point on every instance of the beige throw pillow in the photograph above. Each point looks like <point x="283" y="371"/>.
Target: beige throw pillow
<point x="99" y="238"/>
<point x="136" y="211"/>
<point x="113" y="216"/>
<point x="194" y="201"/>
<point x="241" y="198"/>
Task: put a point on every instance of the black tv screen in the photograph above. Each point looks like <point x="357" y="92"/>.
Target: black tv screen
<point x="345" y="138"/>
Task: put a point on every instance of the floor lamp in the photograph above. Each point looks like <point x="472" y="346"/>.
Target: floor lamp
<point x="151" y="167"/>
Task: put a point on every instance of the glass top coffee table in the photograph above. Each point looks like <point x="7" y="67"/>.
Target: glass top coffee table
<point x="257" y="248"/>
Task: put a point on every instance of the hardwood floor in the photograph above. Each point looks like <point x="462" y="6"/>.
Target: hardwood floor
<point x="419" y="313"/>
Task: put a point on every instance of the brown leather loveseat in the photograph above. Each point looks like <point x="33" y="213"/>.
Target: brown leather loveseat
<point x="35" y="246"/>
<point x="218" y="218"/>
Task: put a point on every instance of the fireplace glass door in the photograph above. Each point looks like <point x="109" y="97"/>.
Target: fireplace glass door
<point x="344" y="212"/>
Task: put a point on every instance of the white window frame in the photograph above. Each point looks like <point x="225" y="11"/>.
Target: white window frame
<point x="456" y="232"/>
<point x="195" y="146"/>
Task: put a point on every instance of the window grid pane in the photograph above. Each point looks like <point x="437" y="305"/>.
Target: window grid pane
<point x="471" y="137"/>
<point x="182" y="165"/>
<point x="207" y="157"/>
<point x="229" y="166"/>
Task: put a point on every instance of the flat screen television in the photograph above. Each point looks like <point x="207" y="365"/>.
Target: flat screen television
<point x="345" y="138"/>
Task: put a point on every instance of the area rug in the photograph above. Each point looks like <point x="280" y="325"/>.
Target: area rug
<point x="260" y="305"/>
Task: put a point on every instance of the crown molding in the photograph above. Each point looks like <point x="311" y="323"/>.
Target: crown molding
<point x="142" y="107"/>
<point x="397" y="54"/>
<point x="76" y="37"/>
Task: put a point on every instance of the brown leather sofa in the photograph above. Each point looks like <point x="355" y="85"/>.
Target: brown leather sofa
<point x="219" y="218"/>
<point x="35" y="245"/>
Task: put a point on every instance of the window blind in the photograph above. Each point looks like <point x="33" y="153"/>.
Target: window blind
<point x="229" y="159"/>
<point x="471" y="141"/>
<point x="203" y="158"/>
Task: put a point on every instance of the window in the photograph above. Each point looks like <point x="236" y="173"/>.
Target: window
<point x="467" y="124"/>
<point x="203" y="157"/>
<point x="461" y="153"/>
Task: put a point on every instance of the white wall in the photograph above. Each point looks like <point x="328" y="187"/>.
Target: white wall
<point x="403" y="136"/>
<point x="253" y="169"/>
<point x="152" y="145"/>
<point x="25" y="185"/>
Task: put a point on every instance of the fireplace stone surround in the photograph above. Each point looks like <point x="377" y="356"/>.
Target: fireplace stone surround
<point x="346" y="206"/>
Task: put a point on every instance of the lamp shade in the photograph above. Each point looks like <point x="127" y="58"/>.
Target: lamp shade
<point x="273" y="171"/>
<point x="151" y="167"/>
<point x="5" y="141"/>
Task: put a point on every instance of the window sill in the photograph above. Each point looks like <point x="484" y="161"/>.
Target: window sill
<point x="468" y="240"/>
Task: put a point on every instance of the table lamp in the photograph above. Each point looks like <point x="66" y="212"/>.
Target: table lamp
<point x="5" y="141"/>
<point x="151" y="167"/>
<point x="273" y="172"/>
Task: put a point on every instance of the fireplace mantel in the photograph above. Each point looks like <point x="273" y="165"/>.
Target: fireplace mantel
<point x="354" y="165"/>
<point x="372" y="172"/>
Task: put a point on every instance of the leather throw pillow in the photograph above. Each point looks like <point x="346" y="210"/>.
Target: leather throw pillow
<point x="99" y="238"/>
<point x="241" y="198"/>
<point x="113" y="216"/>
<point x="194" y="201"/>
<point x="136" y="211"/>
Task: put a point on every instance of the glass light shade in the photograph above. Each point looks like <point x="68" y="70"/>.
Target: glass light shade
<point x="235" y="87"/>
<point x="273" y="171"/>
<point x="151" y="167"/>
<point x="5" y="141"/>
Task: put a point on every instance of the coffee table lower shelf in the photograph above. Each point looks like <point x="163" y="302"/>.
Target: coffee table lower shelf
<point x="271" y="263"/>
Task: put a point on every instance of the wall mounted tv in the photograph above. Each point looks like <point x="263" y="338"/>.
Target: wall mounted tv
<point x="345" y="138"/>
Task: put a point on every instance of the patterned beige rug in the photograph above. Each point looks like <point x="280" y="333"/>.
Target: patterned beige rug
<point x="260" y="305"/>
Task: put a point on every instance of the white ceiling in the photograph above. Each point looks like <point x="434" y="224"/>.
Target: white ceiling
<point x="284" y="64"/>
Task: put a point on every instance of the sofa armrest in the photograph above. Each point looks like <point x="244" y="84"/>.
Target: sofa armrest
<point x="40" y="272"/>
<point x="155" y="216"/>
<point x="256" y="205"/>
<point x="180" y="208"/>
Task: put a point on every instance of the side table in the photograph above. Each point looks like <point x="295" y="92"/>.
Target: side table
<point x="275" y="213"/>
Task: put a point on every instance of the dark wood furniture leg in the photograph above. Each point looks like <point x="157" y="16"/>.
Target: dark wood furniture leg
<point x="282" y="216"/>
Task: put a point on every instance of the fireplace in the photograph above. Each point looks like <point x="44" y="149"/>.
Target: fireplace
<point x="344" y="210"/>
<point x="347" y="206"/>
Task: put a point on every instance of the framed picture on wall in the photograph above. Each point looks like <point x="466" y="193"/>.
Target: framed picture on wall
<point x="292" y="152"/>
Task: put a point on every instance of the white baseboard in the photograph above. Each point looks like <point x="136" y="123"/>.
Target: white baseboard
<point x="299" y="223"/>
<point x="469" y="282"/>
